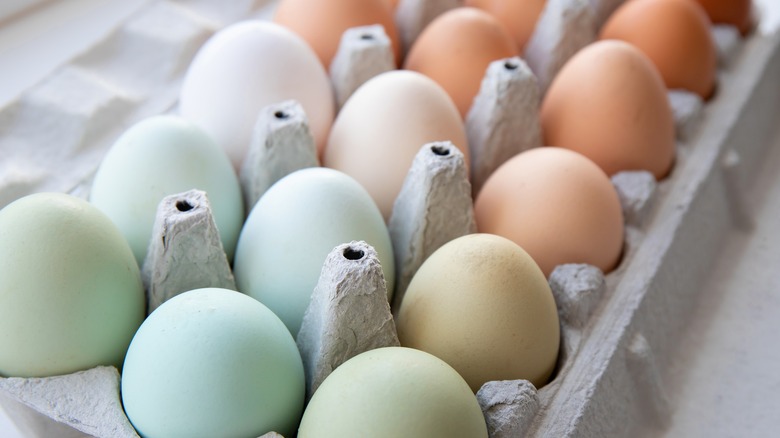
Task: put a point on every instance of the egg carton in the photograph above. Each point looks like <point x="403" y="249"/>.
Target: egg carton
<point x="618" y="330"/>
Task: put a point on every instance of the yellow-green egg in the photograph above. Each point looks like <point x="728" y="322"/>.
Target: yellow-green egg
<point x="71" y="295"/>
<point x="393" y="392"/>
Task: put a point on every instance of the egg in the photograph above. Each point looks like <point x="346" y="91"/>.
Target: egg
<point x="675" y="35"/>
<point x="481" y="304"/>
<point x="557" y="205"/>
<point x="393" y="392"/>
<point x="158" y="157"/>
<point x="609" y="103"/>
<point x="71" y="295"/>
<point x="734" y="12"/>
<point x="322" y="23"/>
<point x="245" y="67"/>
<point x="213" y="362"/>
<point x="455" y="50"/>
<point x="292" y="229"/>
<point x="518" y="16"/>
<point x="384" y="124"/>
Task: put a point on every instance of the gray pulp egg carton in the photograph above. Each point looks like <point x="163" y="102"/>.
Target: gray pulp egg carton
<point x="619" y="331"/>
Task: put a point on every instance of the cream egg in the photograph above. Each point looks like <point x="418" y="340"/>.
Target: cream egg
<point x="481" y="304"/>
<point x="384" y="124"/>
<point x="242" y="69"/>
<point x="213" y="362"/>
<point x="71" y="295"/>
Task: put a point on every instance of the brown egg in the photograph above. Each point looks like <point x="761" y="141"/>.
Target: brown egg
<point x="393" y="3"/>
<point x="456" y="49"/>
<point x="322" y="23"/>
<point x="482" y="305"/>
<point x="518" y="16"/>
<point x="675" y="35"/>
<point x="734" y="12"/>
<point x="609" y="103"/>
<point x="557" y="205"/>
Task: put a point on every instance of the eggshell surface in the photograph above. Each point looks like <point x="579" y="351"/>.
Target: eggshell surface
<point x="322" y="23"/>
<point x="609" y="103"/>
<point x="557" y="205"/>
<point x="481" y="304"/>
<point x="158" y="157"/>
<point x="456" y="49"/>
<point x="71" y="295"/>
<point x="292" y="229"/>
<point x="518" y="16"/>
<point x="384" y="124"/>
<point x="675" y="35"/>
<point x="213" y="362"/>
<point x="393" y="392"/>
<point x="242" y="69"/>
<point x="734" y="12"/>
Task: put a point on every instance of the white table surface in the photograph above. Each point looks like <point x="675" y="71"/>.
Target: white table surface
<point x="40" y="35"/>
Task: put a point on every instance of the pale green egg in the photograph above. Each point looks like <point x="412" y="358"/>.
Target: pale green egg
<point x="393" y="392"/>
<point x="71" y="295"/>
<point x="163" y="156"/>
<point x="213" y="363"/>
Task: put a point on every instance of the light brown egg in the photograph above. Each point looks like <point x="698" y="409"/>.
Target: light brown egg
<point x="675" y="35"/>
<point x="322" y="23"/>
<point x="393" y="3"/>
<point x="456" y="49"/>
<point x="734" y="12"/>
<point x="609" y="103"/>
<point x="384" y="124"/>
<point x="482" y="305"/>
<point x="518" y="16"/>
<point x="557" y="205"/>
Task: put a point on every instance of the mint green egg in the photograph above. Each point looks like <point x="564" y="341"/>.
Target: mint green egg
<point x="162" y="156"/>
<point x="393" y="392"/>
<point x="71" y="296"/>
<point x="213" y="363"/>
<point x="292" y="229"/>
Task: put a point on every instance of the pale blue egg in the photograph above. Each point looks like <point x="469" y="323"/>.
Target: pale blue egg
<point x="292" y="229"/>
<point x="163" y="156"/>
<point x="213" y="363"/>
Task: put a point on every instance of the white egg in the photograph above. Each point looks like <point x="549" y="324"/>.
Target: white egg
<point x="245" y="67"/>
